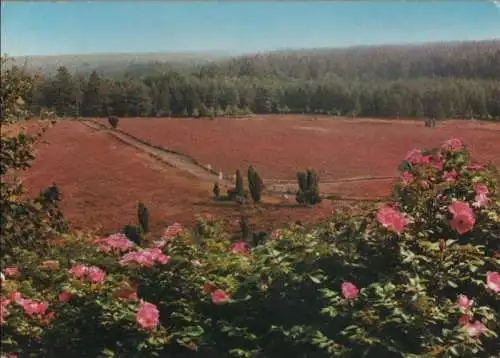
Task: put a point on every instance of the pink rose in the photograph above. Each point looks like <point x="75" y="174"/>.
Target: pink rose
<point x="463" y="303"/>
<point x="493" y="281"/>
<point x="406" y="178"/>
<point x="169" y="233"/>
<point x="480" y="200"/>
<point x="414" y="156"/>
<point x="463" y="217"/>
<point x="475" y="329"/>
<point x="219" y="297"/>
<point x="450" y="176"/>
<point x="114" y="243"/>
<point x="426" y="159"/>
<point x="275" y="235"/>
<point x="452" y="145"/>
<point x="95" y="274"/>
<point x="391" y="219"/>
<point x="157" y="255"/>
<point x="162" y="259"/>
<point x="481" y="189"/>
<point x="172" y="231"/>
<point x="148" y="316"/>
<point x="240" y="248"/>
<point x="78" y="271"/>
<point x="92" y="273"/>
<point x="32" y="307"/>
<point x="11" y="271"/>
<point x="137" y="257"/>
<point x="349" y="290"/>
<point x="64" y="296"/>
<point x="145" y="258"/>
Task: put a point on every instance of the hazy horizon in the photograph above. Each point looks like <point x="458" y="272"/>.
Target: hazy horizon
<point x="232" y="28"/>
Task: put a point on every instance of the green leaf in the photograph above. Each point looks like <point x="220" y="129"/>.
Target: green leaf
<point x="315" y="279"/>
<point x="107" y="352"/>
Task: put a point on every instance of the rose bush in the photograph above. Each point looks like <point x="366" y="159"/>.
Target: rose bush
<point x="418" y="277"/>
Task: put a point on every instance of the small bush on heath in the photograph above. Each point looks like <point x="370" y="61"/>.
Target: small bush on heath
<point x="113" y="121"/>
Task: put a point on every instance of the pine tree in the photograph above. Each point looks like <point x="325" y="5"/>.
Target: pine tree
<point x="302" y="180"/>
<point x="92" y="96"/>
<point x="216" y="190"/>
<point x="143" y="217"/>
<point x="313" y="187"/>
<point x="240" y="190"/>
<point x="255" y="184"/>
<point x="63" y="93"/>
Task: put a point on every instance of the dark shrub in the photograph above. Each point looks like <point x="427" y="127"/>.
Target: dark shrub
<point x="302" y="180"/>
<point x="308" y="188"/>
<point x="143" y="217"/>
<point x="113" y="121"/>
<point x="240" y="190"/>
<point x="430" y="122"/>
<point x="255" y="184"/>
<point x="216" y="191"/>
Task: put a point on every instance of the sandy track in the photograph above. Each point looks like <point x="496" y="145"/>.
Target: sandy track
<point x="173" y="159"/>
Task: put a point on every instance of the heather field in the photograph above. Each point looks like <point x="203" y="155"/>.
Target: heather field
<point x="101" y="180"/>
<point x="278" y="146"/>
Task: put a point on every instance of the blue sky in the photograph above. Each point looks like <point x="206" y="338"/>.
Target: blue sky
<point x="44" y="28"/>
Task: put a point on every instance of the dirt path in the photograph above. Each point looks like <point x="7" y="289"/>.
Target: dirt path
<point x="188" y="164"/>
<point x="173" y="159"/>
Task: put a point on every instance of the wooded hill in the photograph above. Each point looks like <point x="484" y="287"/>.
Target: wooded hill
<point x="454" y="80"/>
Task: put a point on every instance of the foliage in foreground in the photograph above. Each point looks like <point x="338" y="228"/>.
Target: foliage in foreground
<point x="24" y="222"/>
<point x="416" y="278"/>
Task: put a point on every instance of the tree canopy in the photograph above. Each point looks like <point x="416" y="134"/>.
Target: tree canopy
<point x="453" y="80"/>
